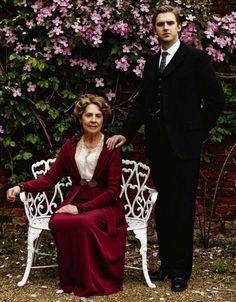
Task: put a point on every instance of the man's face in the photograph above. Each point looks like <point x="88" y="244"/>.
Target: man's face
<point x="167" y="29"/>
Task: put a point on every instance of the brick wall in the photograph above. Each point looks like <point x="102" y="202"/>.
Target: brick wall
<point x="220" y="171"/>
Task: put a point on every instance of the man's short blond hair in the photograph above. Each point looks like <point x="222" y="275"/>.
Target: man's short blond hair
<point x="166" y="9"/>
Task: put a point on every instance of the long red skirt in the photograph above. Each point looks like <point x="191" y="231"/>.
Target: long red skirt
<point x="90" y="260"/>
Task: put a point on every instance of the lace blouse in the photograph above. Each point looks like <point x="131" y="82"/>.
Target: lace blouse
<point x="86" y="159"/>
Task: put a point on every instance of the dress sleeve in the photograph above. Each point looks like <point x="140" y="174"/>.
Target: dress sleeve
<point x="113" y="184"/>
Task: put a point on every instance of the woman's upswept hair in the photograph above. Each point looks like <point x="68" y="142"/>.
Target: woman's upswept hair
<point x="86" y="99"/>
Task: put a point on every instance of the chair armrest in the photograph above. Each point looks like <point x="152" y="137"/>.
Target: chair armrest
<point x="153" y="193"/>
<point x="23" y="196"/>
<point x="37" y="205"/>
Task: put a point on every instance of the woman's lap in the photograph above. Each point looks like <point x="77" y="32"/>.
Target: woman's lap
<point x="95" y="218"/>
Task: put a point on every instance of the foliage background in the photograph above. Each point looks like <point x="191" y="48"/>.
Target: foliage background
<point x="54" y="50"/>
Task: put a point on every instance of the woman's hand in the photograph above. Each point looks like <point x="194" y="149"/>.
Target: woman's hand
<point x="69" y="209"/>
<point x="12" y="193"/>
<point x="115" y="141"/>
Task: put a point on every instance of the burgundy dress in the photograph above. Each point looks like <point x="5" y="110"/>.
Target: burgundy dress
<point x="90" y="245"/>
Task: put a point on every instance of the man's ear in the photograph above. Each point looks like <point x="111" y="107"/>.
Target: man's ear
<point x="179" y="28"/>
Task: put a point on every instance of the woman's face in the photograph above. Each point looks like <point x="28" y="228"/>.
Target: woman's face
<point x="92" y="119"/>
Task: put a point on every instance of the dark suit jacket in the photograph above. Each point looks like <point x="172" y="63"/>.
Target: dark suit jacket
<point x="107" y="173"/>
<point x="192" y="99"/>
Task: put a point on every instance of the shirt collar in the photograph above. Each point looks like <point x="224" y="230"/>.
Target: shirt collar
<point x="172" y="50"/>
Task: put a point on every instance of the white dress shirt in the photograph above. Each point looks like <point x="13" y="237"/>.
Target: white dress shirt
<point x="171" y="51"/>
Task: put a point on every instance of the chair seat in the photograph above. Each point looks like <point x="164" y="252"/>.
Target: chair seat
<point x="40" y="222"/>
<point x="136" y="223"/>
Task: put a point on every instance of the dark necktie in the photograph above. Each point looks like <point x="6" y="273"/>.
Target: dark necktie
<point x="163" y="61"/>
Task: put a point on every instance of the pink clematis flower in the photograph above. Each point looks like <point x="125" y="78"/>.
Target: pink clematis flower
<point x="16" y="92"/>
<point x="31" y="87"/>
<point x="1" y="129"/>
<point x="110" y="95"/>
<point x="99" y="82"/>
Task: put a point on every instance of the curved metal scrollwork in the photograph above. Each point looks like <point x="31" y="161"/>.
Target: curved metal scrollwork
<point x="138" y="197"/>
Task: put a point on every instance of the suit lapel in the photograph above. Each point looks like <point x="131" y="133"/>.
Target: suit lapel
<point x="176" y="60"/>
<point x="154" y="72"/>
<point x="156" y="64"/>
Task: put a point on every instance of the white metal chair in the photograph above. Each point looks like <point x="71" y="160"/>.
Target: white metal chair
<point x="139" y="201"/>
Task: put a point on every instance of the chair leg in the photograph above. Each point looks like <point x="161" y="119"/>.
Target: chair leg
<point x="33" y="234"/>
<point x="36" y="249"/>
<point x="141" y="235"/>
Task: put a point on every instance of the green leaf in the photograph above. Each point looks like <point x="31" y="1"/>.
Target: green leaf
<point x="17" y="157"/>
<point x="27" y="155"/>
<point x="12" y="57"/>
<point x="67" y="94"/>
<point x="43" y="83"/>
<point x="24" y="112"/>
<point x="11" y="75"/>
<point x="33" y="62"/>
<point x="42" y="105"/>
<point x="60" y="61"/>
<point x="128" y="148"/>
<point x="206" y="158"/>
<point x="16" y="57"/>
<point x="41" y="66"/>
<point x="54" y="113"/>
<point x="141" y="129"/>
<point x="25" y="76"/>
<point x="55" y="82"/>
<point x="7" y="142"/>
<point x="61" y="128"/>
<point x="33" y="138"/>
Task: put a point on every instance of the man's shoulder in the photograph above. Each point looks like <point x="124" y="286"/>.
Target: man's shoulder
<point x="192" y="50"/>
<point x="152" y="58"/>
<point x="151" y="62"/>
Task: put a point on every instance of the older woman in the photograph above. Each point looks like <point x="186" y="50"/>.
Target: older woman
<point x="89" y="226"/>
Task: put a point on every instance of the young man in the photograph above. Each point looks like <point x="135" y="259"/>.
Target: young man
<point x="179" y="102"/>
